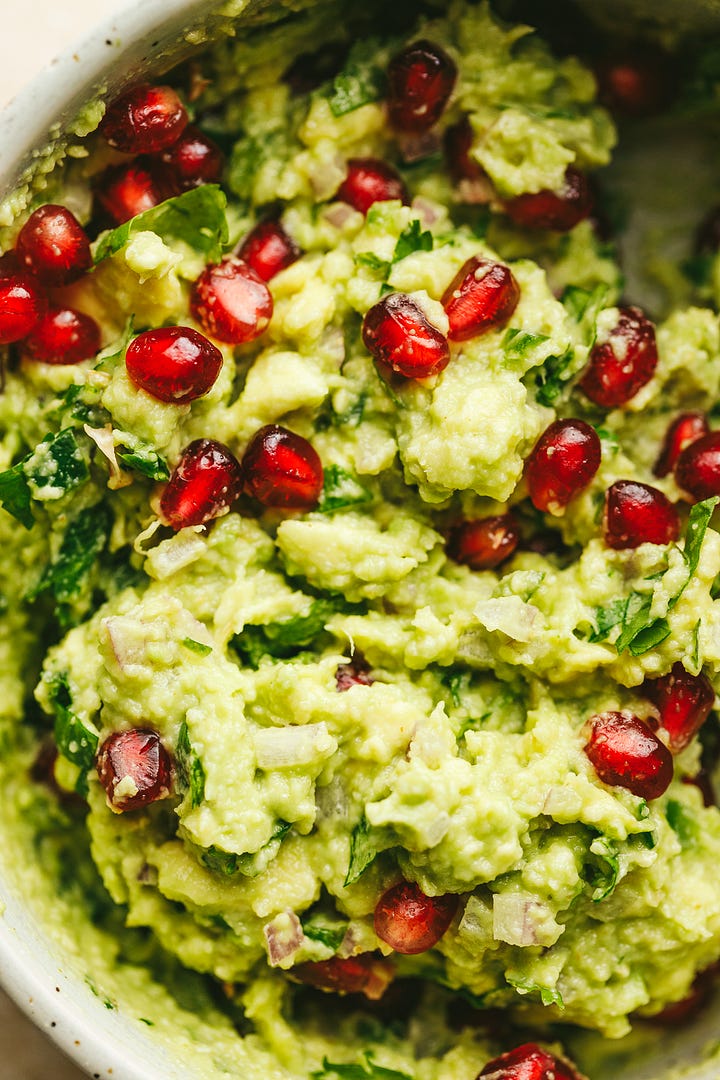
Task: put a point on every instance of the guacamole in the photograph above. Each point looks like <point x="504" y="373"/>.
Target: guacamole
<point x="342" y="710"/>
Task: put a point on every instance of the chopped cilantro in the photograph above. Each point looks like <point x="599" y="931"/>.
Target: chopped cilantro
<point x="363" y="850"/>
<point x="340" y="490"/>
<point x="602" y="871"/>
<point x="584" y="306"/>
<point x="248" y="156"/>
<point x="329" y="935"/>
<point x="189" y="767"/>
<point x="682" y="823"/>
<point x="552" y="377"/>
<point x="695" y="654"/>
<point x="75" y="741"/>
<point x="361" y="81"/>
<point x="249" y="864"/>
<point x="15" y="495"/>
<point x="517" y="343"/>
<point x="196" y="218"/>
<point x="548" y="995"/>
<point x="146" y="461"/>
<point x="373" y="262"/>
<point x="283" y="640"/>
<point x="367" y="1069"/>
<point x="84" y="539"/>
<point x="197" y="646"/>
<point x="412" y="239"/>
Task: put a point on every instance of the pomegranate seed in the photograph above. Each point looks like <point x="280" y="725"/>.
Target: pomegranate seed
<point x="356" y="673"/>
<point x="193" y="160"/>
<point x="397" y="333"/>
<point x="704" y="783"/>
<point x="364" y="974"/>
<point x="556" y="210"/>
<point x="638" y="514"/>
<point x="135" y="762"/>
<point x="63" y="336"/>
<point x="282" y="469"/>
<point x="411" y="922"/>
<point x="369" y="181"/>
<point x="563" y="461"/>
<point x="22" y="305"/>
<point x="231" y="302"/>
<point x="268" y="249"/>
<point x="685" y="429"/>
<point x="482" y="295"/>
<point x="420" y="81"/>
<point x="680" y="1012"/>
<point x="53" y="246"/>
<point x="485" y="543"/>
<point x="529" y="1062"/>
<point x="458" y="141"/>
<point x="144" y="119"/>
<point x="634" y="83"/>
<point x="206" y="481"/>
<point x="626" y="753"/>
<point x="618" y="367"/>
<point x="124" y="191"/>
<point x="9" y="264"/>
<point x="697" y="469"/>
<point x="175" y="364"/>
<point x="684" y="702"/>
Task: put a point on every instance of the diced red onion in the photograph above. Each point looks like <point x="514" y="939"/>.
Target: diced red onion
<point x="284" y="937"/>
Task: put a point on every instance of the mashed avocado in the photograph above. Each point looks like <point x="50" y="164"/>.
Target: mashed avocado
<point x="345" y="700"/>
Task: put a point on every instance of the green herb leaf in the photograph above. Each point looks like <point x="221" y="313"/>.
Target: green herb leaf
<point x="682" y="823"/>
<point x="608" y="617"/>
<point x="373" y="262"/>
<point x="84" y="539"/>
<point x="331" y="936"/>
<point x="249" y="864"/>
<point x="145" y="460"/>
<point x="517" y="343"/>
<point x="197" y="646"/>
<point x="15" y="495"/>
<point x="55" y="467"/>
<point x="584" y="306"/>
<point x="363" y="850"/>
<point x="365" y="1070"/>
<point x="340" y="490"/>
<point x="412" y="239"/>
<point x="695" y="654"/>
<point x="697" y="526"/>
<point x="196" y="218"/>
<point x="75" y="741"/>
<point x="189" y="767"/>
<point x="552" y="377"/>
<point x="361" y="81"/>
<point x="649" y="637"/>
<point x="547" y="994"/>
<point x="602" y="871"/>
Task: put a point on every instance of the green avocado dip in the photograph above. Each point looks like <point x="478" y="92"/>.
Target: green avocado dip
<point x="359" y="629"/>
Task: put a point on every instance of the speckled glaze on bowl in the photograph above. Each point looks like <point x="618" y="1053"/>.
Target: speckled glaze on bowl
<point x="150" y="36"/>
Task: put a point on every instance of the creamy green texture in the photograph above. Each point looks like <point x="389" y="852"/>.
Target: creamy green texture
<point x="461" y="767"/>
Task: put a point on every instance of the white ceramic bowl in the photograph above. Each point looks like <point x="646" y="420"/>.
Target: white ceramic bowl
<point x="149" y="36"/>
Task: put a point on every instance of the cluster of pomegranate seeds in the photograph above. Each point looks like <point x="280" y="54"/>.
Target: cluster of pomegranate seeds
<point x="485" y="543"/>
<point x="411" y="922"/>
<point x="124" y="191"/>
<point x="529" y="1062"/>
<point x="175" y="364"/>
<point x="193" y="160"/>
<point x="204" y="483"/>
<point x="563" y="462"/>
<point x="134" y="768"/>
<point x="559" y="211"/>
<point x="53" y="246"/>
<point x="268" y="249"/>
<point x="231" y="302"/>
<point x="697" y="469"/>
<point x="282" y="469"/>
<point x="638" y="514"/>
<point x="420" y="81"/>
<point x="356" y="673"/>
<point x="368" y="181"/>
<point x="627" y="753"/>
<point x="620" y="366"/>
<point x="684" y="702"/>
<point x="685" y="429"/>
<point x="397" y="333"/>
<point x="364" y="974"/>
<point x="63" y="336"/>
<point x="144" y="119"/>
<point x="22" y="305"/>
<point x="482" y="296"/>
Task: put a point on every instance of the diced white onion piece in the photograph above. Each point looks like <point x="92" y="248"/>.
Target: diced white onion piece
<point x="126" y="640"/>
<point x="339" y="214"/>
<point x="414" y="146"/>
<point x="174" y="554"/>
<point x="288" y="747"/>
<point x="509" y="614"/>
<point x="104" y="440"/>
<point x="327" y="176"/>
<point x="284" y="936"/>
<point x="516" y="918"/>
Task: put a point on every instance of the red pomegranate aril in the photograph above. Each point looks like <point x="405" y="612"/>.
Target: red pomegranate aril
<point x="458" y="142"/>
<point x="192" y="160"/>
<point x="482" y="296"/>
<point x="53" y="246"/>
<point x="368" y="181"/>
<point x="22" y="305"/>
<point x="268" y="249"/>
<point x="134" y="768"/>
<point x="627" y="753"/>
<point x="356" y="673"/>
<point x="205" y="482"/>
<point x="144" y="119"/>
<point x="620" y="366"/>
<point x="529" y="1062"/>
<point x="231" y="301"/>
<point x="10" y="264"/>
<point x="563" y="462"/>
<point x="485" y="543"/>
<point x="364" y="974"/>
<point x="559" y="211"/>
<point x="635" y="83"/>
<point x="282" y="469"/>
<point x="397" y="333"/>
<point x="63" y="336"/>
<point x="638" y="514"/>
<point x="684" y="702"/>
<point x="703" y="781"/>
<point x="124" y="191"/>
<point x="697" y="469"/>
<point x="411" y="922"/>
<point x="685" y="429"/>
<point x="420" y="81"/>
<point x="174" y="364"/>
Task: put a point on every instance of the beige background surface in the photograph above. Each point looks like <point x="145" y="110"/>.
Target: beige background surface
<point x="33" y="32"/>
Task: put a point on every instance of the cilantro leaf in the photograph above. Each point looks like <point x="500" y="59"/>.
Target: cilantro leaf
<point x="329" y="935"/>
<point x="682" y="823"/>
<point x="517" y="343"/>
<point x="198" y="647"/>
<point x="248" y="156"/>
<point x="367" y="1069"/>
<point x="373" y="262"/>
<point x="249" y="864"/>
<point x="55" y="467"/>
<point x="602" y="872"/>
<point x="84" y="539"/>
<point x="697" y="525"/>
<point x="196" y="218"/>
<point x="584" y="306"/>
<point x="363" y="850"/>
<point x="189" y="767"/>
<point x="547" y="994"/>
<point x="340" y="490"/>
<point x="552" y="377"/>
<point x="15" y="495"/>
<point x="412" y="239"/>
<point x="75" y="741"/>
<point x="145" y="460"/>
<point x="361" y="81"/>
